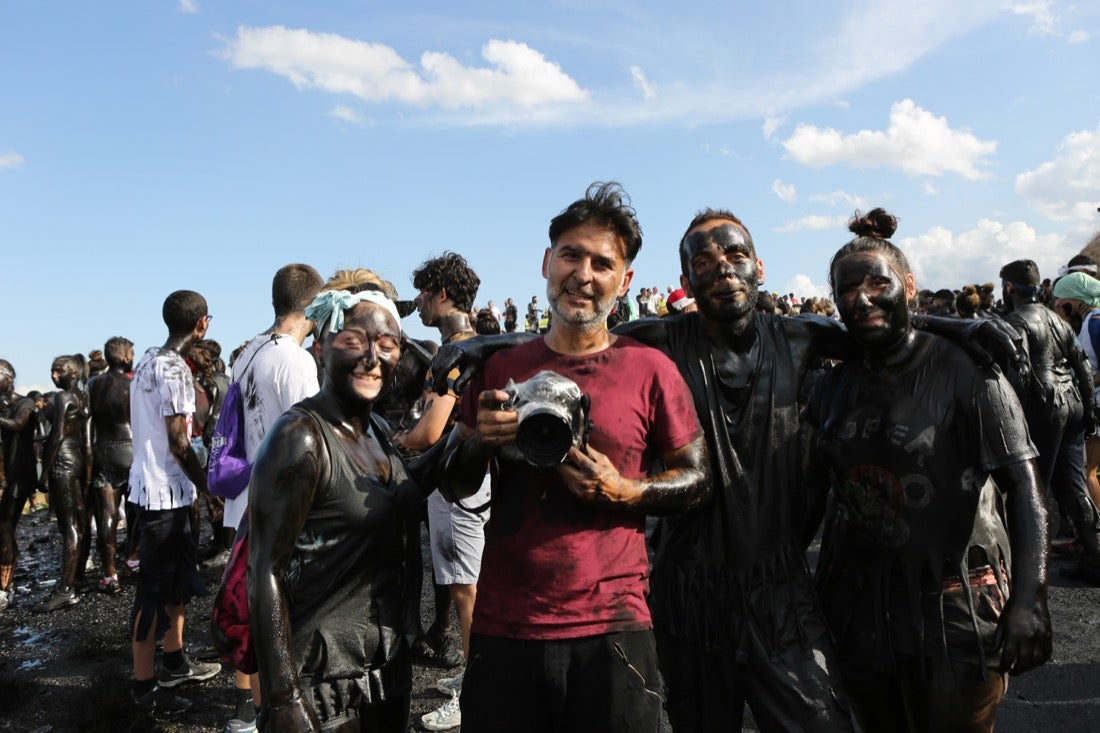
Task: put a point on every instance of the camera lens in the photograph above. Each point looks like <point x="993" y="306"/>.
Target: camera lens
<point x="544" y="438"/>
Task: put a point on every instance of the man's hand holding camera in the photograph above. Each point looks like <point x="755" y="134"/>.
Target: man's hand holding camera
<point x="587" y="473"/>
<point x="496" y="427"/>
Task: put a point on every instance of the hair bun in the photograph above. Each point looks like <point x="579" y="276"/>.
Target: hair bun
<point x="878" y="223"/>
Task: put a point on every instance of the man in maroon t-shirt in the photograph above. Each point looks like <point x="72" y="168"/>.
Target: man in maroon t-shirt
<point x="562" y="638"/>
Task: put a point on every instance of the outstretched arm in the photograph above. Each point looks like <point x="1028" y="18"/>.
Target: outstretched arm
<point x="1023" y="630"/>
<point x="19" y="421"/>
<point x="650" y="331"/>
<point x="683" y="484"/>
<point x="468" y="356"/>
<point x="987" y="340"/>
<point x="285" y="478"/>
<point x="469" y="449"/>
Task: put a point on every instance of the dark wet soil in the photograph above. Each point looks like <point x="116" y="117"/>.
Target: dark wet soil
<point x="70" y="670"/>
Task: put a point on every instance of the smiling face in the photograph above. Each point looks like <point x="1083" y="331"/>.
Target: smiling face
<point x="873" y="298"/>
<point x="721" y="270"/>
<point x="360" y="360"/>
<point x="585" y="272"/>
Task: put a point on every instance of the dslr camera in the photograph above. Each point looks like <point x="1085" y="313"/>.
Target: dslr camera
<point x="553" y="417"/>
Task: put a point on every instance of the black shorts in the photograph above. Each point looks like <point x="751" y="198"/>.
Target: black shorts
<point x="169" y="571"/>
<point x="112" y="459"/>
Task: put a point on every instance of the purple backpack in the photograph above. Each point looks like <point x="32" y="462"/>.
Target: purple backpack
<point x="228" y="469"/>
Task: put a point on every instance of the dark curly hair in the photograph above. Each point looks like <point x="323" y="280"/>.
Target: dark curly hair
<point x="873" y="232"/>
<point x="449" y="272"/>
<point x="606" y="205"/>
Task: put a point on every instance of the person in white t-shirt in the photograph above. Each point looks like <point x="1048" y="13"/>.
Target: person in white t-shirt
<point x="275" y="373"/>
<point x="164" y="478"/>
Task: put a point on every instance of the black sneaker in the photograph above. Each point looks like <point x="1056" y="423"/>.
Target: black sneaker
<point x="160" y="700"/>
<point x="58" y="599"/>
<point x="445" y="653"/>
<point x="189" y="671"/>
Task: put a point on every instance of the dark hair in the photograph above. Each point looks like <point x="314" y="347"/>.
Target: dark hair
<point x="709" y="214"/>
<point x="968" y="301"/>
<point x="1081" y="260"/>
<point x="452" y="273"/>
<point x="872" y="231"/>
<point x="765" y="302"/>
<point x="606" y="205"/>
<point x="293" y="287"/>
<point x="486" y="324"/>
<point x="115" y="350"/>
<point x="988" y="297"/>
<point x="1021" y="272"/>
<point x="5" y="366"/>
<point x="35" y="395"/>
<point x="182" y="310"/>
<point x="77" y="362"/>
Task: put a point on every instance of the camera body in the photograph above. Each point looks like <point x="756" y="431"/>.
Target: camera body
<point x="553" y="417"/>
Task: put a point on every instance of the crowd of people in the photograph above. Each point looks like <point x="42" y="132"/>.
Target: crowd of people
<point x="940" y="443"/>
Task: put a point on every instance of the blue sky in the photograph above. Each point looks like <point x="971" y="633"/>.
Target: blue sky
<point x="150" y="146"/>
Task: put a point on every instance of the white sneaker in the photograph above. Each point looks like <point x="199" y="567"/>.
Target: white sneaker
<point x="451" y="685"/>
<point x="446" y="716"/>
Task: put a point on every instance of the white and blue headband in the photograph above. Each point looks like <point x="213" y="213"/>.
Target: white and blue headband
<point x="327" y="309"/>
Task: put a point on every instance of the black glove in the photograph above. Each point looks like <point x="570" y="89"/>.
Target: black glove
<point x="468" y="356"/>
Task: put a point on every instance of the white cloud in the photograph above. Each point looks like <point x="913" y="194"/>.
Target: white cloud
<point x="804" y="287"/>
<point x="785" y="191"/>
<point x="916" y="141"/>
<point x="638" y="76"/>
<point x="1078" y="37"/>
<point x="942" y="259"/>
<point x="772" y="125"/>
<point x="838" y="198"/>
<point x="345" y="113"/>
<point x="812" y="222"/>
<point x="189" y="6"/>
<point x="1068" y="187"/>
<point x="11" y="160"/>
<point x="517" y="77"/>
<point x="1041" y="13"/>
<point x="930" y="189"/>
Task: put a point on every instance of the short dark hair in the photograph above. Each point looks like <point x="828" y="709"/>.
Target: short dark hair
<point x="182" y="310"/>
<point x="115" y="350"/>
<point x="1021" y="272"/>
<point x="486" y="324"/>
<point x="452" y="273"/>
<point x="293" y="287"/>
<point x="606" y="205"/>
<point x="709" y="214"/>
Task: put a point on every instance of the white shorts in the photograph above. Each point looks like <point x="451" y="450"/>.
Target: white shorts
<point x="457" y="537"/>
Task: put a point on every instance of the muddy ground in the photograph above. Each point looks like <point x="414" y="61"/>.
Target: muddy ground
<point x="70" y="670"/>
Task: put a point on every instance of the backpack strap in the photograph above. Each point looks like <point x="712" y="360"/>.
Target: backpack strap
<point x="272" y="338"/>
